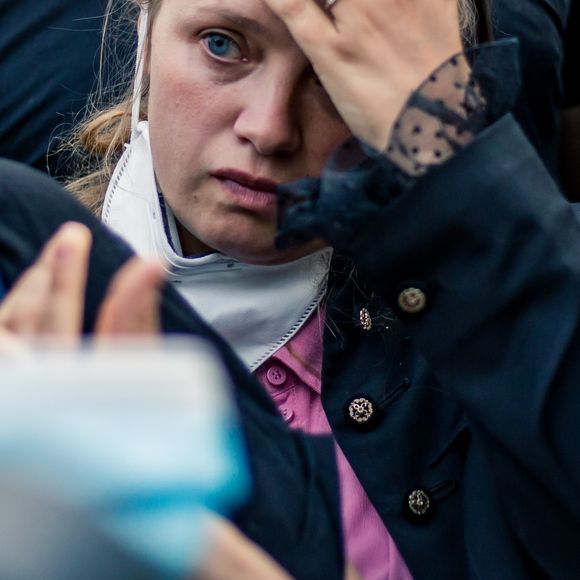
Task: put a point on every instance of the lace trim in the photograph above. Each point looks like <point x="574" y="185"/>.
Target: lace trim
<point x="441" y="117"/>
<point x="462" y="97"/>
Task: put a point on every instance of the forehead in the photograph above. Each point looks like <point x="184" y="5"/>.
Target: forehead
<point x="240" y="12"/>
<point x="252" y="19"/>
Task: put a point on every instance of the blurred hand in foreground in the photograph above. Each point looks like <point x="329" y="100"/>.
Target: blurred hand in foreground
<point x="48" y="299"/>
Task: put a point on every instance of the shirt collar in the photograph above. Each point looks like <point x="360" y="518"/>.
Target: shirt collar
<point x="303" y="353"/>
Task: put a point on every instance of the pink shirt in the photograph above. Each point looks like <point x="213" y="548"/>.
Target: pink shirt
<point x="292" y="376"/>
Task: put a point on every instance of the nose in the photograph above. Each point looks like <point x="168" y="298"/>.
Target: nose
<point x="269" y="119"/>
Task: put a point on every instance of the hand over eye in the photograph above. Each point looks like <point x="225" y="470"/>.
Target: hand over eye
<point x="371" y="54"/>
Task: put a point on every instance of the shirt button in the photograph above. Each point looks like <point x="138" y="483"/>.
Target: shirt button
<point x="287" y="414"/>
<point x="276" y="376"/>
<point x="412" y="300"/>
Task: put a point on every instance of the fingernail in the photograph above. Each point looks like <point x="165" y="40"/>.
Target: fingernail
<point x="75" y="229"/>
<point x="64" y="253"/>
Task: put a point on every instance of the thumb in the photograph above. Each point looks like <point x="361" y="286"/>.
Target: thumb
<point x="131" y="305"/>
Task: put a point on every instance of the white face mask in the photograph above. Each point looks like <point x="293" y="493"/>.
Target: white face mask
<point x="257" y="309"/>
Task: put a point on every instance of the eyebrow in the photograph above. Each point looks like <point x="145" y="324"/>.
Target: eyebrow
<point x="236" y="20"/>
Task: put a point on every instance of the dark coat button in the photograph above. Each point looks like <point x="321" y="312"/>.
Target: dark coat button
<point x="365" y="319"/>
<point x="362" y="412"/>
<point x="418" y="504"/>
<point x="412" y="300"/>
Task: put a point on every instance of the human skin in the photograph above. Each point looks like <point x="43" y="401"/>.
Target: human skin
<point x="258" y="108"/>
<point x="370" y="55"/>
<point x="48" y="299"/>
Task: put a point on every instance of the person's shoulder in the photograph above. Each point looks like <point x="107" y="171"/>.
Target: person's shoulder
<point x="25" y="191"/>
<point x="15" y="175"/>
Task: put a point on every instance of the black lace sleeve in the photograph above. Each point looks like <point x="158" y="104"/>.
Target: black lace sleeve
<point x="462" y="97"/>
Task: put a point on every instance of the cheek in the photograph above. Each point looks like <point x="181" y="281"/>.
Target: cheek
<point x="323" y="132"/>
<point x="180" y="105"/>
<point x="183" y="95"/>
<point x="321" y="141"/>
<point x="186" y="115"/>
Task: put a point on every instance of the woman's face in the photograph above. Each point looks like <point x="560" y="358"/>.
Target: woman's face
<point x="234" y="108"/>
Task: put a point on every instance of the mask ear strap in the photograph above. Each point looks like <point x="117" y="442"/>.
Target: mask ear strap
<point x="139" y="66"/>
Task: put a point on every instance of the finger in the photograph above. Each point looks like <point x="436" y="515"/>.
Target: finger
<point x="11" y="345"/>
<point x="233" y="555"/>
<point x="309" y="25"/>
<point x="69" y="257"/>
<point x="351" y="573"/>
<point x="22" y="311"/>
<point x="132" y="302"/>
<point x="49" y="295"/>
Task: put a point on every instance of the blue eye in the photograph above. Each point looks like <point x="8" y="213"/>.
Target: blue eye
<point x="222" y="46"/>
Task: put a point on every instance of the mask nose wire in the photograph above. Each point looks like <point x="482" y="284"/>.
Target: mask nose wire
<point x="139" y="66"/>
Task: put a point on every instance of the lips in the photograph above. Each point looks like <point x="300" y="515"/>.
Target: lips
<point x="246" y="180"/>
<point x="256" y="194"/>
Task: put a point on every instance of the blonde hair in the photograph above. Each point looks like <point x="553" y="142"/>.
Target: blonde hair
<point x="96" y="144"/>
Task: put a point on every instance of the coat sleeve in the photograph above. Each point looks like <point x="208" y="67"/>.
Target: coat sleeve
<point x="481" y="260"/>
<point x="293" y="506"/>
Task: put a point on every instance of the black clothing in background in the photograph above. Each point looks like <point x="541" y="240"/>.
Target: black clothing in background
<point x="572" y="59"/>
<point x="541" y="26"/>
<point x="48" y="67"/>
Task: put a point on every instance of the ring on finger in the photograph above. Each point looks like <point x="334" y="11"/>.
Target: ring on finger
<point x="328" y="4"/>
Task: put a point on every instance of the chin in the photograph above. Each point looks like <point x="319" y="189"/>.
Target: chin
<point x="270" y="256"/>
<point x="258" y="257"/>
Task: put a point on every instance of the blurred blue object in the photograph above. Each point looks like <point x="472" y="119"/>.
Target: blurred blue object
<point x="142" y="437"/>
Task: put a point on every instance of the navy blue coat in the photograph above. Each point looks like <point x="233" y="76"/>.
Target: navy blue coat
<point x="475" y="398"/>
<point x="545" y="31"/>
